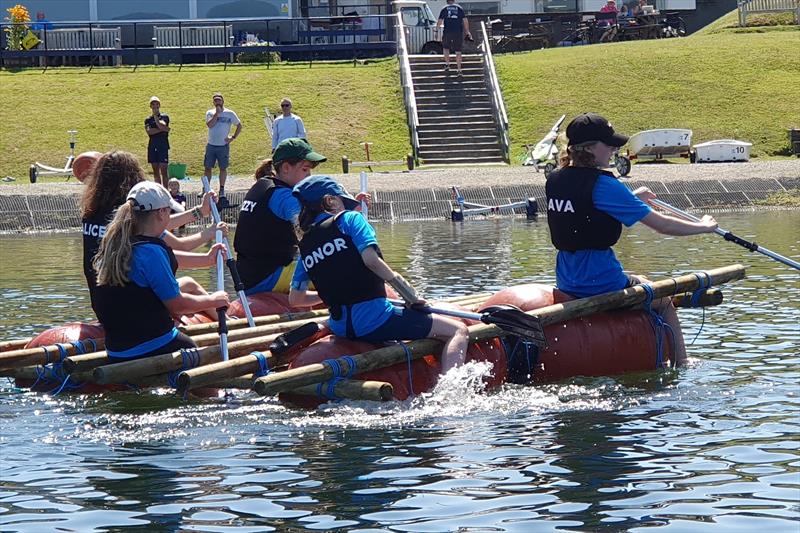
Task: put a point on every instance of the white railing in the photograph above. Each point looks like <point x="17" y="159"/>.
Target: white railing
<point x="747" y="7"/>
<point x="84" y="39"/>
<point x="192" y="36"/>
<point x="497" y="97"/>
<point x="407" y="82"/>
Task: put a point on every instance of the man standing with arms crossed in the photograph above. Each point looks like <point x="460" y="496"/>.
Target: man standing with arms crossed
<point x="456" y="26"/>
<point x="287" y="125"/>
<point x="157" y="127"/>
<point x="219" y="120"/>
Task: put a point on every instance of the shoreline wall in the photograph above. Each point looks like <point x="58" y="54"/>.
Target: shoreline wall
<point x="29" y="213"/>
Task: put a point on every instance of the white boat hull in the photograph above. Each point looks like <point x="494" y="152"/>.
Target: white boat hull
<point x="723" y="150"/>
<point x="660" y="144"/>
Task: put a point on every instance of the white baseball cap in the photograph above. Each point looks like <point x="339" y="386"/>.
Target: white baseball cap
<point x="154" y="99"/>
<point x="149" y="196"/>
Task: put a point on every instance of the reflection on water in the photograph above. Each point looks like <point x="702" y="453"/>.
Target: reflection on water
<point x="714" y="446"/>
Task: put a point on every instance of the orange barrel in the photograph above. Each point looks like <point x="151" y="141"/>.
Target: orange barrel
<point x="602" y="344"/>
<point x="424" y="372"/>
<point x="52" y="376"/>
<point x="83" y="164"/>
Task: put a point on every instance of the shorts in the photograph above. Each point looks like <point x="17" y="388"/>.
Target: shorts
<point x="181" y="341"/>
<point x="217" y="154"/>
<point x="404" y="324"/>
<point x="157" y="154"/>
<point x="452" y="41"/>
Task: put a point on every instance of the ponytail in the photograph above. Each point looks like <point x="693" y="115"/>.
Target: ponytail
<point x="265" y="169"/>
<point x="113" y="259"/>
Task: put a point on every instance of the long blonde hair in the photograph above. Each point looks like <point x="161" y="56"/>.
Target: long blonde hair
<point x="577" y="155"/>
<point x="113" y="259"/>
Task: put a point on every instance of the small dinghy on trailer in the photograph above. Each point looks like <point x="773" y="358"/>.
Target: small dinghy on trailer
<point x="668" y="143"/>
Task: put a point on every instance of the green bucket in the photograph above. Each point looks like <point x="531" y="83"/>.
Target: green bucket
<point x="176" y="170"/>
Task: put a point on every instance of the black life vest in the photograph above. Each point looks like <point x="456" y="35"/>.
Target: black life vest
<point x="575" y="223"/>
<point x="335" y="266"/>
<point x="93" y="230"/>
<point x="263" y="241"/>
<point x="131" y="314"/>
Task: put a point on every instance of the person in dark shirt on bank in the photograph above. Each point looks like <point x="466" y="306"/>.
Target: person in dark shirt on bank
<point x="454" y="20"/>
<point x="157" y="127"/>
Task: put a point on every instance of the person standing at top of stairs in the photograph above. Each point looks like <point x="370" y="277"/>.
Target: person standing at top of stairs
<point x="455" y="23"/>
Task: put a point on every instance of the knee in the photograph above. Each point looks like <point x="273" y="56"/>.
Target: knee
<point x="188" y="284"/>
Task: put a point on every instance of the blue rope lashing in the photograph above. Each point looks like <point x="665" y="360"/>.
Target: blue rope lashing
<point x="93" y="343"/>
<point x="351" y="366"/>
<point x="190" y="358"/>
<point x="336" y="368"/>
<point x="65" y="385"/>
<point x="40" y="374"/>
<point x="658" y="324"/>
<point x="263" y="364"/>
<point x="703" y="284"/>
<point x="410" y="376"/>
<point x="78" y="345"/>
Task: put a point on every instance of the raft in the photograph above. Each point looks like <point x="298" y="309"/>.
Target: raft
<point x="607" y="334"/>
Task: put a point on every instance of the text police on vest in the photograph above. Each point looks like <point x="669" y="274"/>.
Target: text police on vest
<point x="93" y="230"/>
<point x="326" y="250"/>
<point x="560" y="205"/>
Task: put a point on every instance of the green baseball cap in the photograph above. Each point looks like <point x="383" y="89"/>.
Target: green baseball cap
<point x="296" y="149"/>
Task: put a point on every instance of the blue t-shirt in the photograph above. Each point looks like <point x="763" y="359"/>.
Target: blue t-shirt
<point x="453" y="17"/>
<point x="150" y="268"/>
<point x="366" y="316"/>
<point x="286" y="207"/>
<point x="588" y="272"/>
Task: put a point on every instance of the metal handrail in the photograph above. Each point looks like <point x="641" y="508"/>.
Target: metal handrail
<point x="407" y="82"/>
<point x="497" y="95"/>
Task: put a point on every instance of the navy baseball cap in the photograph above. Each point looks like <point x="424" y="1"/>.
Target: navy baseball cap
<point x="314" y="188"/>
<point x="591" y="127"/>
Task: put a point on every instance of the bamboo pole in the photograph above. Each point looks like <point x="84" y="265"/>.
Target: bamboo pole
<point x="345" y="389"/>
<point x="267" y="332"/>
<point x="13" y="344"/>
<point x="710" y="298"/>
<point x="315" y="373"/>
<point x="202" y="334"/>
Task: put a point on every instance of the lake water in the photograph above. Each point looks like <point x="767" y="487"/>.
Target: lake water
<point x="713" y="447"/>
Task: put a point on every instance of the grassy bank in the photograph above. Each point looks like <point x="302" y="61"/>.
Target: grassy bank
<point x="341" y="105"/>
<point x="722" y="85"/>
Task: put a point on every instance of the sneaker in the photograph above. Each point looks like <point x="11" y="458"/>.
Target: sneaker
<point x="459" y="74"/>
<point x="222" y="202"/>
<point x="446" y="67"/>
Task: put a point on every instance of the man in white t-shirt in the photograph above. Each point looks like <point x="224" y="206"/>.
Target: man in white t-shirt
<point x="219" y="120"/>
<point x="287" y="126"/>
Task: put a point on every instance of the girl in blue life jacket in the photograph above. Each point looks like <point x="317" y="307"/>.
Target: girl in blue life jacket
<point x="137" y="293"/>
<point x="339" y="252"/>
<point x="586" y="208"/>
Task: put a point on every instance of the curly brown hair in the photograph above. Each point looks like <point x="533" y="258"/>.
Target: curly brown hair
<point x="109" y="181"/>
<point x="577" y="155"/>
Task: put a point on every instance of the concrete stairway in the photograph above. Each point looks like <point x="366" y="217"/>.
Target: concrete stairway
<point x="457" y="124"/>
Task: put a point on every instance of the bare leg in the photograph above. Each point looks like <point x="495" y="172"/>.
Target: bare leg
<point x="223" y="175"/>
<point x="190" y="286"/>
<point x="156" y="173"/>
<point x="456" y="339"/>
<point x="162" y="167"/>
<point x="458" y="61"/>
<point x="447" y="57"/>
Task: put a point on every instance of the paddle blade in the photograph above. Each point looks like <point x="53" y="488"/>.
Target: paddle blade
<point x="511" y="319"/>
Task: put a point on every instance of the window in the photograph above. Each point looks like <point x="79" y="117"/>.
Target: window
<point x="242" y="8"/>
<point x="411" y="16"/>
<point x="481" y="8"/>
<point x="142" y="9"/>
